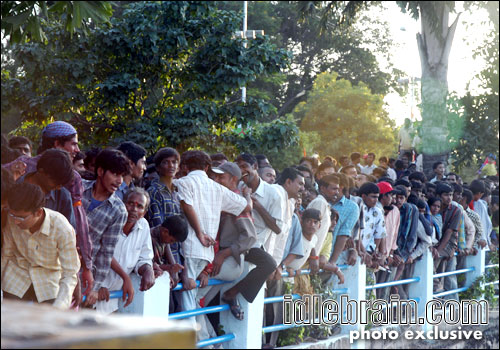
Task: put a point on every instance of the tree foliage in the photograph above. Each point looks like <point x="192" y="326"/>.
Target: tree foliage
<point x="347" y="118"/>
<point x="25" y="20"/>
<point x="164" y="73"/>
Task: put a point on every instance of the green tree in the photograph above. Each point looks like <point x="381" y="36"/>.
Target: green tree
<point x="347" y="118"/>
<point x="25" y="20"/>
<point x="164" y="73"/>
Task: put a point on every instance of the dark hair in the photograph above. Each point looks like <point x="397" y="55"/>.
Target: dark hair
<point x="372" y="154"/>
<point x="7" y="182"/>
<point x="25" y="197"/>
<point x="132" y="150"/>
<point x="288" y="173"/>
<point x="383" y="159"/>
<point x="403" y="182"/>
<point x="311" y="213"/>
<point x="467" y="194"/>
<point x="420" y="204"/>
<point x="386" y="179"/>
<point x="456" y="175"/>
<point x="400" y="190"/>
<point x="165" y="152"/>
<point x="49" y="142"/>
<point x="334" y="214"/>
<point x="260" y="157"/>
<point x="19" y="140"/>
<point x="430" y="185"/>
<point x="56" y="164"/>
<point x="477" y="186"/>
<point x="9" y="154"/>
<point x="443" y="188"/>
<point x="326" y="165"/>
<point x="90" y="156"/>
<point x="113" y="160"/>
<point x="314" y="162"/>
<point x="379" y="172"/>
<point x="417" y="175"/>
<point x="399" y="165"/>
<point x="415" y="185"/>
<point x="196" y="160"/>
<point x="304" y="168"/>
<point x="325" y="181"/>
<point x="457" y="188"/>
<point x="78" y="156"/>
<point x="177" y="227"/>
<point x="433" y="200"/>
<point x="367" y="188"/>
<point x="436" y="164"/>
<point x="218" y="156"/>
<point x="355" y="155"/>
<point x="343" y="158"/>
<point x="494" y="200"/>
<point x="413" y="199"/>
<point x="248" y="158"/>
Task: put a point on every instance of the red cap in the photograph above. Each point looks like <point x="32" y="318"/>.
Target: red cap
<point x="384" y="187"/>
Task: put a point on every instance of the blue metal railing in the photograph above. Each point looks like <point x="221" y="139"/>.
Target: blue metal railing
<point x="456" y="272"/>
<point x="448" y="292"/>
<point x="394" y="283"/>
<point x="217" y="340"/>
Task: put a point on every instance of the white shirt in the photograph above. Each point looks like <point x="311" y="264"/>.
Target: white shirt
<point x="481" y="208"/>
<point x="392" y="174"/>
<point x="374" y="227"/>
<point x="287" y="205"/>
<point x="208" y="199"/>
<point x="322" y="205"/>
<point x="131" y="251"/>
<point x="307" y="246"/>
<point x="270" y="199"/>
<point x="368" y="169"/>
<point x="424" y="241"/>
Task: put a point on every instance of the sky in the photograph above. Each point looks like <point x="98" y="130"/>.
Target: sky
<point x="462" y="66"/>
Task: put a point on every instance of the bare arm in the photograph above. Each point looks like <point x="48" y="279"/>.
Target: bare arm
<point x="338" y="248"/>
<point x="268" y="219"/>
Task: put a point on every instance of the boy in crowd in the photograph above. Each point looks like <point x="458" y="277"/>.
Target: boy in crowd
<point x="137" y="157"/>
<point x="39" y="258"/>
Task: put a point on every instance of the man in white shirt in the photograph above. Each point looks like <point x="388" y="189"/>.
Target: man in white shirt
<point x="202" y="201"/>
<point x="133" y="253"/>
<point x="369" y="167"/>
<point x="481" y="208"/>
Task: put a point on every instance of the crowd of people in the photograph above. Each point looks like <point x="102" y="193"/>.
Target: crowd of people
<point x="78" y="224"/>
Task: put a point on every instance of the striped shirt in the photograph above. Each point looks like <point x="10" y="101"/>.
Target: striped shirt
<point x="105" y="224"/>
<point x="47" y="259"/>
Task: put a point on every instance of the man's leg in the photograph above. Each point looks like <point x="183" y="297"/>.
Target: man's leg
<point x="450" y="282"/>
<point x="194" y="267"/>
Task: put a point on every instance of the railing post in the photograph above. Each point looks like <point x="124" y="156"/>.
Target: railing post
<point x="477" y="261"/>
<point x="423" y="289"/>
<point x="153" y="302"/>
<point x="248" y="332"/>
<point x="355" y="282"/>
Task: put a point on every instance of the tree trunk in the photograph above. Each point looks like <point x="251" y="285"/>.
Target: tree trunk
<point x="434" y="46"/>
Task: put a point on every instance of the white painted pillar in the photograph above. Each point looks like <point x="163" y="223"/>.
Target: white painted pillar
<point x="355" y="282"/>
<point x="477" y="261"/>
<point x="248" y="332"/>
<point x="153" y="302"/>
<point x="423" y="290"/>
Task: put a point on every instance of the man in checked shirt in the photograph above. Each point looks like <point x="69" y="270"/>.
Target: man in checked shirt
<point x="106" y="213"/>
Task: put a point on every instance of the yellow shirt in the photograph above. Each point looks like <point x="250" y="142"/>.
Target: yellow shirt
<point x="47" y="258"/>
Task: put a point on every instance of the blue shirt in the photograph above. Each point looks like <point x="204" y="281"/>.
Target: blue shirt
<point x="348" y="216"/>
<point x="294" y="240"/>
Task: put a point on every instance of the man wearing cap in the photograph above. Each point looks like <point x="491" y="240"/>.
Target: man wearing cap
<point x="237" y="236"/>
<point x="62" y="135"/>
<point x="391" y="217"/>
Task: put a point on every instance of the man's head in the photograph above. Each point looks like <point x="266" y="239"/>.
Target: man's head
<point x="228" y="175"/>
<point x="55" y="169"/>
<point x="137" y="202"/>
<point x="361" y="179"/>
<point x="218" y="159"/>
<point x="22" y="144"/>
<point x="400" y="196"/>
<point x="438" y="168"/>
<point x="417" y="189"/>
<point x="309" y="194"/>
<point x="268" y="174"/>
<point x="386" y="195"/>
<point x="399" y="165"/>
<point x="379" y="172"/>
<point x="262" y="161"/>
<point x="407" y="123"/>
<point x="248" y="166"/>
<point x="477" y="188"/>
<point x="292" y="181"/>
<point x="60" y="135"/>
<point x="434" y="205"/>
<point x="330" y="187"/>
<point x="78" y="162"/>
<point x="89" y="160"/>
<point x="467" y="197"/>
<point x="417" y="176"/>
<point x="307" y="173"/>
<point x="111" y="166"/>
<point x="310" y="162"/>
<point x="137" y="157"/>
<point x="383" y="161"/>
<point x="406" y="184"/>
<point x="26" y="203"/>
<point x="445" y="192"/>
<point x="370" y="158"/>
<point x="174" y="229"/>
<point x="167" y="162"/>
<point x="344" y="161"/>
<point x="196" y="160"/>
<point x="430" y="190"/>
<point x="326" y="168"/>
<point x="355" y="158"/>
<point x="457" y="191"/>
<point x="350" y="170"/>
<point x="311" y="222"/>
<point x="452" y="178"/>
<point x="369" y="192"/>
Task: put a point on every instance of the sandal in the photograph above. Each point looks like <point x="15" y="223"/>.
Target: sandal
<point x="235" y="308"/>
